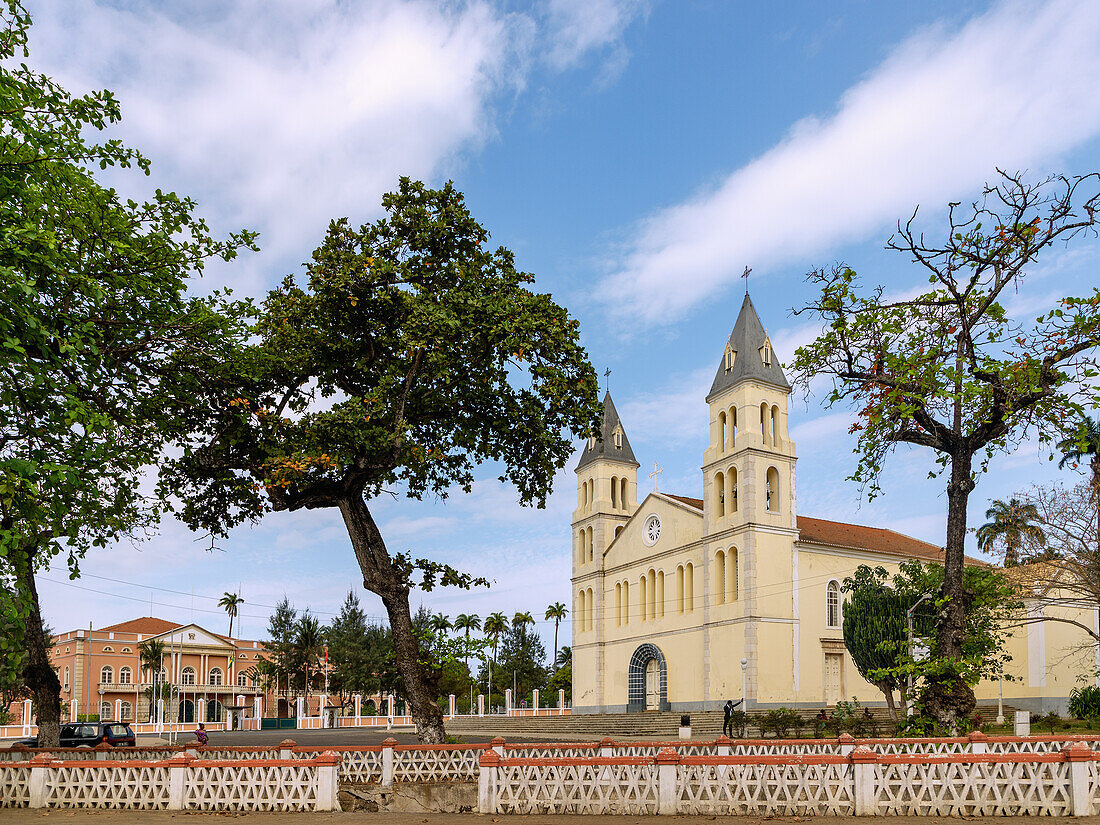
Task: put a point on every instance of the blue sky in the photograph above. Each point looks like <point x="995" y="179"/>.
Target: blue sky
<point x="635" y="156"/>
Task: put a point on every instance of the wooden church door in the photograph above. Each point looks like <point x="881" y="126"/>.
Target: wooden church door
<point x="833" y="689"/>
<point x="652" y="684"/>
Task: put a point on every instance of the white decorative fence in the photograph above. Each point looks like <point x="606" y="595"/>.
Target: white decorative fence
<point x="859" y="783"/>
<point x="182" y="783"/>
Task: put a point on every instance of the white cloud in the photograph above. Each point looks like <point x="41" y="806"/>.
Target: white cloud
<point x="673" y="415"/>
<point x="279" y="116"/>
<point x="1012" y="88"/>
<point x="577" y="27"/>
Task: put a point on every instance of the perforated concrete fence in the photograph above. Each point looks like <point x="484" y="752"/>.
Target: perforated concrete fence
<point x="182" y="783"/>
<point x="860" y="783"/>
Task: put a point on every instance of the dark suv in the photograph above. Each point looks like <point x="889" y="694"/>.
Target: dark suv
<point x="90" y="734"/>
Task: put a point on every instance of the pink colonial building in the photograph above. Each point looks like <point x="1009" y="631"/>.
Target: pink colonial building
<point x="101" y="672"/>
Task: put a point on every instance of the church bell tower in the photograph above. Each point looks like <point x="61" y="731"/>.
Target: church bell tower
<point x="748" y="469"/>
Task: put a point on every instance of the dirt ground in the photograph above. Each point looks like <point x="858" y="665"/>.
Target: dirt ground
<point x="24" y="816"/>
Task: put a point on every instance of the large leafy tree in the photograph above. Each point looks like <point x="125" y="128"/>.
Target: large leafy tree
<point x="93" y="302"/>
<point x="1010" y="524"/>
<point x="431" y="355"/>
<point x="947" y="369"/>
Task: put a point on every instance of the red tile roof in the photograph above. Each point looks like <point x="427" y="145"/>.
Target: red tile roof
<point x="697" y="503"/>
<point x="146" y="625"/>
<point x="855" y="536"/>
<point x="873" y="539"/>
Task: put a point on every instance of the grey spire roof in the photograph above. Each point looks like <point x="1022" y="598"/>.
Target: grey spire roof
<point x="747" y="338"/>
<point x="604" y="448"/>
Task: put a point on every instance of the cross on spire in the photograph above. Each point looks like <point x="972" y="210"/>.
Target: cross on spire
<point x="656" y="472"/>
<point x="607" y="380"/>
<point x="745" y="275"/>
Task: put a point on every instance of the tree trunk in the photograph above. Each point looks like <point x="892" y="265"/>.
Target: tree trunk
<point x="381" y="578"/>
<point x="555" y="663"/>
<point x="888" y="692"/>
<point x="38" y="675"/>
<point x="948" y="698"/>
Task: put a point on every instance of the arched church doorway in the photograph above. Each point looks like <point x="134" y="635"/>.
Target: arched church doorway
<point x="187" y="711"/>
<point x="647" y="680"/>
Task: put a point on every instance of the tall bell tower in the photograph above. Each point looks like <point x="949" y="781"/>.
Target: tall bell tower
<point x="607" y="496"/>
<point x="748" y="469"/>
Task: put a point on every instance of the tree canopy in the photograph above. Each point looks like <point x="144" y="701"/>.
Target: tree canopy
<point x="949" y="370"/>
<point x="93" y="305"/>
<point x="411" y="353"/>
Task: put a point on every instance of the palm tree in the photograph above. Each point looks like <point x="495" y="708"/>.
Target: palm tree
<point x="557" y="612"/>
<point x="440" y="624"/>
<point x="1011" y="523"/>
<point x="520" y="622"/>
<point x="231" y="602"/>
<point x="495" y="625"/>
<point x="150" y="657"/>
<point x="466" y="622"/>
<point x="1085" y="444"/>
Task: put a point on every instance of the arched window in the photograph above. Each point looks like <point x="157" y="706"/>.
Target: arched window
<point x="125" y="675"/>
<point x="591" y="552"/>
<point x="721" y="431"/>
<point x="771" y="490"/>
<point x="626" y="602"/>
<point x="591" y="493"/>
<point x="766" y="354"/>
<point x="832" y="604"/>
<point x="127" y="713"/>
<point x="188" y="676"/>
<point x="618" y="605"/>
<point x="127" y="650"/>
<point x="719" y="495"/>
<point x="105" y="711"/>
<point x="764" y="422"/>
<point x="580" y="614"/>
<point x="731" y="483"/>
<point x="642" y="597"/>
<point x="689" y="587"/>
<point x="622" y="493"/>
<point x="580" y="547"/>
<point x="66" y="676"/>
<point x="107" y="675"/>
<point x="591" y="609"/>
<point x="618" y="530"/>
<point x="731" y="574"/>
<point x="733" y="427"/>
<point x="731" y="357"/>
<point x="614" y="492"/>
<point x="775" y="425"/>
<point x="680" y="589"/>
<point x="651" y="593"/>
<point x="215" y="675"/>
<point x="660" y="594"/>
<point x="618" y="439"/>
<point x="720" y="577"/>
<point x="108" y="649"/>
<point x="242" y="680"/>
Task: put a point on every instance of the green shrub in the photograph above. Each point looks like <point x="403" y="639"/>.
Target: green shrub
<point x="1084" y="702"/>
<point x="779" y="721"/>
<point x="740" y="721"/>
<point x="1052" y="720"/>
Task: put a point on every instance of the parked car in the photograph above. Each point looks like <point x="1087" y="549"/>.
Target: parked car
<point x="90" y="734"/>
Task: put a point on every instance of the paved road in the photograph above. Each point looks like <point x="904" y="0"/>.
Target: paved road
<point x="336" y="736"/>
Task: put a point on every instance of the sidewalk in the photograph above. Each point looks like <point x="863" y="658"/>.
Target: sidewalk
<point x="23" y="816"/>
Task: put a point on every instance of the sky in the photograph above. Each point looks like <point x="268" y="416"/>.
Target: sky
<point x="636" y="155"/>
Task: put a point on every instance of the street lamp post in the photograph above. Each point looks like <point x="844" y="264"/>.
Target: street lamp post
<point x="744" y="679"/>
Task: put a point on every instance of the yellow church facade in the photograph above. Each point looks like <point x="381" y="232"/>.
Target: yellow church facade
<point x="681" y="603"/>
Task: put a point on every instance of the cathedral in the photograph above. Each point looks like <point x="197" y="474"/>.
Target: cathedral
<point x="680" y="603"/>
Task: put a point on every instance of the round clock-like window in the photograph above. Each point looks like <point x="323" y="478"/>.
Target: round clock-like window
<point x="651" y="530"/>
